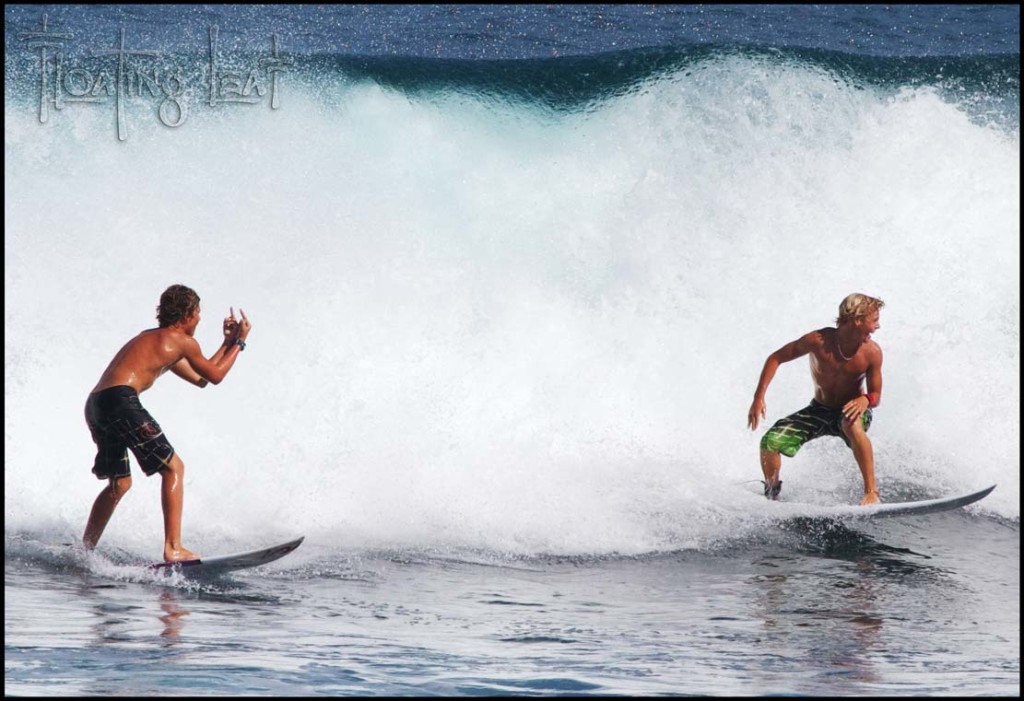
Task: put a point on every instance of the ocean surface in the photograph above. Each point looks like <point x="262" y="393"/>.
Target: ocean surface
<point x="513" y="271"/>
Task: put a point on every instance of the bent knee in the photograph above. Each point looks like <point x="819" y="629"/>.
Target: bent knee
<point x="119" y="486"/>
<point x="174" y="465"/>
<point x="860" y="425"/>
<point x="856" y="429"/>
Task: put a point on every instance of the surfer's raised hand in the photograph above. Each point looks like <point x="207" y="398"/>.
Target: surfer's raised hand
<point x="244" y="325"/>
<point x="230" y="327"/>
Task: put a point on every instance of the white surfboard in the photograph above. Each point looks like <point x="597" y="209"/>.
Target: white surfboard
<point x="227" y="563"/>
<point x="891" y="509"/>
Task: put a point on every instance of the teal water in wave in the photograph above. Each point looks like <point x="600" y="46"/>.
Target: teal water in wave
<point x="513" y="271"/>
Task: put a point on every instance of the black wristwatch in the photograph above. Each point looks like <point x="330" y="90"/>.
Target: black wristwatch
<point x="240" y="342"/>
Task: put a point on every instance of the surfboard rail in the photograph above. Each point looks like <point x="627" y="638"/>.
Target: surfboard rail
<point x="892" y="509"/>
<point x="235" y="561"/>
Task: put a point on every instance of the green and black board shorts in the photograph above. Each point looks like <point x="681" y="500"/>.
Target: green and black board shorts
<point x="813" y="421"/>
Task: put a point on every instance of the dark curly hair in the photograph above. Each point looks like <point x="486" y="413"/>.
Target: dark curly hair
<point x="176" y="303"/>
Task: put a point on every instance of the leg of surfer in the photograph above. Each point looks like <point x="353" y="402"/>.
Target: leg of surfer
<point x="103" y="508"/>
<point x="172" y="498"/>
<point x="865" y="456"/>
<point x="771" y="465"/>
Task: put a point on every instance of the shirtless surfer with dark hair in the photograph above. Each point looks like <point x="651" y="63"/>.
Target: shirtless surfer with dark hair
<point x="118" y="422"/>
<point x="842" y="359"/>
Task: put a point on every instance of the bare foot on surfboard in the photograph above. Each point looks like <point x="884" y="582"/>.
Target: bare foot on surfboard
<point x="172" y="555"/>
<point x="870" y="498"/>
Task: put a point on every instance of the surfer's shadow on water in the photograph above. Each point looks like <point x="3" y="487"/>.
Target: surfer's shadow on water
<point x="837" y="540"/>
<point x="834" y="537"/>
<point x="174" y="607"/>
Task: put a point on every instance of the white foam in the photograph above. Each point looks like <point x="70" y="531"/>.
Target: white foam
<point x="492" y="325"/>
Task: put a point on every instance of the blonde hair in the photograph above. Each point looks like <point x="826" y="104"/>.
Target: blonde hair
<point x="857" y="306"/>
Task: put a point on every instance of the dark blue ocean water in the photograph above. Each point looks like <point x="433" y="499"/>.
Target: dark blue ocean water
<point x="533" y="31"/>
<point x="558" y="52"/>
<point x="513" y="271"/>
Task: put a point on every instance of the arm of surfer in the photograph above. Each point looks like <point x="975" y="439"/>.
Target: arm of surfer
<point x="183" y="370"/>
<point x="853" y="409"/>
<point x="790" y="351"/>
<point x="875" y="378"/>
<point x="230" y="330"/>
<point x="216" y="368"/>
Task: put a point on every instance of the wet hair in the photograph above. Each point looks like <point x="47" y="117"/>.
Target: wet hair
<point x="857" y="306"/>
<point x="176" y="304"/>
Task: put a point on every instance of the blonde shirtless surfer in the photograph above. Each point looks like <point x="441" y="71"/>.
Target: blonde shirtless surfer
<point x="842" y="359"/>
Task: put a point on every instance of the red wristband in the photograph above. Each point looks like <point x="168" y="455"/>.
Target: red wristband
<point x="872" y="399"/>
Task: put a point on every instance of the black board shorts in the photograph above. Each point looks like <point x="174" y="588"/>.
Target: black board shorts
<point x="119" y="423"/>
